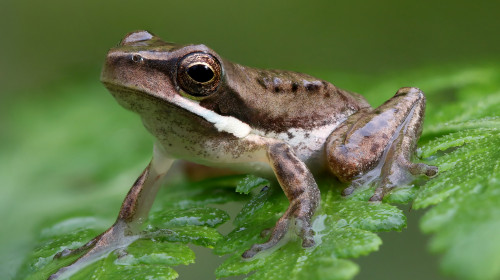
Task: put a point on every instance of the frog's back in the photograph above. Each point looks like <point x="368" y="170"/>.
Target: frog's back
<point x="277" y="101"/>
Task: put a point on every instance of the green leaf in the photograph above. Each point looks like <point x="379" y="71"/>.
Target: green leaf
<point x="461" y="136"/>
<point x="466" y="192"/>
<point x="152" y="256"/>
<point x="184" y="194"/>
<point x="210" y="217"/>
<point x="141" y="259"/>
<point x="249" y="183"/>
<point x="466" y="220"/>
<point x="343" y="230"/>
<point x="130" y="267"/>
<point x="203" y="236"/>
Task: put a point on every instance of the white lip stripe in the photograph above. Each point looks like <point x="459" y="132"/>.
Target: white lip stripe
<point x="222" y="123"/>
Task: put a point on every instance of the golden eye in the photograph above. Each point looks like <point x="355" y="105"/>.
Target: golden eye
<point x="199" y="74"/>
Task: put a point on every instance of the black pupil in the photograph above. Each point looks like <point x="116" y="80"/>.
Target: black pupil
<point x="200" y="73"/>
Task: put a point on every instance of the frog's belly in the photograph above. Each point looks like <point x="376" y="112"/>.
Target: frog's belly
<point x="248" y="154"/>
<point x="245" y="155"/>
<point x="308" y="144"/>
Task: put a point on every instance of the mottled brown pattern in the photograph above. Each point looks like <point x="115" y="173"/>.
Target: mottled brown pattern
<point x="260" y="121"/>
<point x="279" y="99"/>
<point x="359" y="144"/>
<point x="131" y="202"/>
<point x="301" y="190"/>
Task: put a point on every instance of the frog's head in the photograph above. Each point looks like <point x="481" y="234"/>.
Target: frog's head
<point x="144" y="72"/>
<point x="143" y="64"/>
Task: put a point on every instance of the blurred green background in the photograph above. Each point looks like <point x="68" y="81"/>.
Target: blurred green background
<point x="52" y="53"/>
<point x="45" y="40"/>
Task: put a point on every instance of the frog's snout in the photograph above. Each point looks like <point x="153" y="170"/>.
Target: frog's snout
<point x="107" y="73"/>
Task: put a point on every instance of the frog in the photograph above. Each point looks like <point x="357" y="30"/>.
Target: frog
<point x="277" y="124"/>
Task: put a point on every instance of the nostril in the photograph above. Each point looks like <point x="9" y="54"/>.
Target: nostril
<point x="136" y="58"/>
<point x="136" y="36"/>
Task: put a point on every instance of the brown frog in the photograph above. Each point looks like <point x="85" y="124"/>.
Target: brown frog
<point x="207" y="110"/>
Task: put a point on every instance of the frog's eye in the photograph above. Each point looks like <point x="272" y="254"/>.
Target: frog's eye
<point x="199" y="74"/>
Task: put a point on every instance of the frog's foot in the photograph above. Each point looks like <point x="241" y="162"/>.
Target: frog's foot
<point x="395" y="173"/>
<point x="398" y="172"/>
<point x="117" y="236"/>
<point x="70" y="252"/>
<point x="378" y="144"/>
<point x="349" y="190"/>
<point x="302" y="222"/>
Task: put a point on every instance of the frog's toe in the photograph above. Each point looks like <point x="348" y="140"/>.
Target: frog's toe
<point x="348" y="191"/>
<point x="277" y="234"/>
<point x="266" y="232"/>
<point x="422" y="169"/>
<point x="70" y="252"/>
<point x="379" y="194"/>
<point x="256" y="248"/>
<point x="305" y="232"/>
<point x="110" y="240"/>
<point x="302" y="223"/>
<point x="308" y="240"/>
<point x="65" y="253"/>
<point x="431" y="171"/>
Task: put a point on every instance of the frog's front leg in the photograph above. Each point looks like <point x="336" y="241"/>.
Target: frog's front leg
<point x="302" y="192"/>
<point x="377" y="145"/>
<point x="133" y="213"/>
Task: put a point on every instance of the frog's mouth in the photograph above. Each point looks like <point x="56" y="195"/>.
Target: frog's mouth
<point x="132" y="98"/>
<point x="124" y="90"/>
<point x="121" y="89"/>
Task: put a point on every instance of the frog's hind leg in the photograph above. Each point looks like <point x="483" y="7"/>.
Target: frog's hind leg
<point x="377" y="145"/>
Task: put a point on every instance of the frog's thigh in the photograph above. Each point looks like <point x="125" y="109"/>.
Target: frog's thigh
<point x="394" y="128"/>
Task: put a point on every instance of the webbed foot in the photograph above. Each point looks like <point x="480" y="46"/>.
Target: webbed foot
<point x="117" y="236"/>
<point x="302" y="222"/>
<point x="397" y="174"/>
